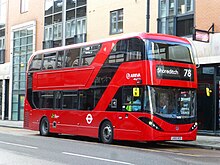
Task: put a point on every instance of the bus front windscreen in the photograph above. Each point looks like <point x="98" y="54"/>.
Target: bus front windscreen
<point x="168" y="51"/>
<point x="173" y="102"/>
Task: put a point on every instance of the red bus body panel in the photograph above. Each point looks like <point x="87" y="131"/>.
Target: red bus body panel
<point x="126" y="125"/>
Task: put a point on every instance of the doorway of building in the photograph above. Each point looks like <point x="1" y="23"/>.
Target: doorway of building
<point x="1" y="85"/>
<point x="218" y="101"/>
<point x="206" y="97"/>
<point x="21" y="107"/>
<point x="6" y="99"/>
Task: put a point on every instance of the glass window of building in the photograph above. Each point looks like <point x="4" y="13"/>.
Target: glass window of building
<point x="2" y="30"/>
<point x="22" y="50"/>
<point x="24" y="5"/>
<point x="1" y="85"/>
<point x="75" y="28"/>
<point x="72" y="29"/>
<point x="2" y="21"/>
<point x="174" y="14"/>
<point x="116" y="21"/>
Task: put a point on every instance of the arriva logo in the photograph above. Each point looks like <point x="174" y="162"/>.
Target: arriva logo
<point x="133" y="76"/>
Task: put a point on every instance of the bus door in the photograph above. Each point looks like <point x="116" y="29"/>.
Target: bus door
<point x="67" y="118"/>
<point x="127" y="122"/>
<point x="85" y="117"/>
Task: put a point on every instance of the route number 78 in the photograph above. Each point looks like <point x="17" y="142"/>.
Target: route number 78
<point x="187" y="73"/>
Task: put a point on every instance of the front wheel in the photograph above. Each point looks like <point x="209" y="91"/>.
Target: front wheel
<point x="44" y="127"/>
<point x="106" y="132"/>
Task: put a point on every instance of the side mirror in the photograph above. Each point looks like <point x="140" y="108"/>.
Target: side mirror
<point x="208" y="91"/>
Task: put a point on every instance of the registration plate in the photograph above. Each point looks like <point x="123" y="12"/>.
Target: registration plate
<point x="176" y="138"/>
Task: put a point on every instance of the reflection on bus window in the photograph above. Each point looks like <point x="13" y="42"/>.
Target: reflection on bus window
<point x="47" y="100"/>
<point x="131" y="102"/>
<point x="70" y="100"/>
<point x="169" y="51"/>
<point x="173" y="102"/>
<point x="72" y="57"/>
<point x="60" y="59"/>
<point x="36" y="63"/>
<point x="89" y="53"/>
<point x="127" y="50"/>
<point x="49" y="61"/>
<point x="58" y="99"/>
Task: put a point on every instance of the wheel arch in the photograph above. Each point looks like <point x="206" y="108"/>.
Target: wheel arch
<point x="100" y="125"/>
<point x="44" y="116"/>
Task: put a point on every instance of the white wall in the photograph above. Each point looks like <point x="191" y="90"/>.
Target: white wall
<point x="208" y="53"/>
<point x="5" y="71"/>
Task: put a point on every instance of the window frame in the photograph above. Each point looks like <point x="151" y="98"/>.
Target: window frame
<point x="2" y="43"/>
<point x="24" y="5"/>
<point x="169" y="16"/>
<point x="116" y="22"/>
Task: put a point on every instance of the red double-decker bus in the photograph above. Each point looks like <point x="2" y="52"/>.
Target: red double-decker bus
<point x="139" y="87"/>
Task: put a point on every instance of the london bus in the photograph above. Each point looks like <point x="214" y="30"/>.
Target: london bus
<point x="137" y="87"/>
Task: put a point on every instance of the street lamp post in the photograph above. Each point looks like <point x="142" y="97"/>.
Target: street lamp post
<point x="148" y="16"/>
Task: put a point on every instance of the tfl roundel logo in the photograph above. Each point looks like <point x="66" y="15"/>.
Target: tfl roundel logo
<point x="89" y="118"/>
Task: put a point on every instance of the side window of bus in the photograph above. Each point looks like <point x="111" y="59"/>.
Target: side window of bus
<point x="132" y="102"/>
<point x="86" y="99"/>
<point x="88" y="53"/>
<point x="60" y="59"/>
<point x="116" y="102"/>
<point x="36" y="99"/>
<point x="157" y="51"/>
<point x="135" y="49"/>
<point x="47" y="100"/>
<point x="127" y="50"/>
<point x="58" y="99"/>
<point x="70" y="100"/>
<point x="49" y="61"/>
<point x="118" y="53"/>
<point x="36" y="63"/>
<point x="72" y="57"/>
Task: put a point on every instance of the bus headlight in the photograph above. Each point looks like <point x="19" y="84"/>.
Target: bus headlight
<point x="151" y="123"/>
<point x="195" y="125"/>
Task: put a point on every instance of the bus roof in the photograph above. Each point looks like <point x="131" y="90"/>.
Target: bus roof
<point x="141" y="35"/>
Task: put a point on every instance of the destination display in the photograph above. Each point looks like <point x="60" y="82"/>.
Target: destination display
<point x="174" y="73"/>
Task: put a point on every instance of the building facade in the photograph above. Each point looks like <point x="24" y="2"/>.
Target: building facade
<point x="209" y="66"/>
<point x="65" y="22"/>
<point x="62" y="22"/>
<point x="4" y="63"/>
<point x="23" y="34"/>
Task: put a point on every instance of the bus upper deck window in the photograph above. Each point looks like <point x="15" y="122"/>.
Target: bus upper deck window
<point x="72" y="57"/>
<point x="60" y="59"/>
<point x="169" y="51"/>
<point x="49" y="61"/>
<point x="36" y="63"/>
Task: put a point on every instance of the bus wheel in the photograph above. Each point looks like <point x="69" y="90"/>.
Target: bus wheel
<point x="106" y="132"/>
<point x="44" y="127"/>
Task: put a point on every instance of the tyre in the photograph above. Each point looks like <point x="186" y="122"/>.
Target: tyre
<point x="106" y="132"/>
<point x="44" y="127"/>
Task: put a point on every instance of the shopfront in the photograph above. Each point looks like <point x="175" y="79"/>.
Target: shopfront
<point x="208" y="97"/>
<point x="4" y="90"/>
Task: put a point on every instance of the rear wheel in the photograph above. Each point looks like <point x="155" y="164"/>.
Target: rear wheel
<point x="44" y="127"/>
<point x="106" y="132"/>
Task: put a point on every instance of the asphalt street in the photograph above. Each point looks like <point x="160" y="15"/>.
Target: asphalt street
<point x="25" y="147"/>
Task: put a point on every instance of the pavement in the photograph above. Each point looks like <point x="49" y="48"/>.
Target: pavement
<point x="11" y="123"/>
<point x="203" y="141"/>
